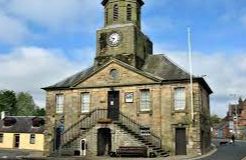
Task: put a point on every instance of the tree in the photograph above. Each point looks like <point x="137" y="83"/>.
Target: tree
<point x="8" y="101"/>
<point x="25" y="104"/>
<point x="215" y="119"/>
<point x="40" y="112"/>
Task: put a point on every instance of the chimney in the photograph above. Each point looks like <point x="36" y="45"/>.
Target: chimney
<point x="2" y="115"/>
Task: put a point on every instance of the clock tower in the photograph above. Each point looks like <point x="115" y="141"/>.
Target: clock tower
<point x="121" y="37"/>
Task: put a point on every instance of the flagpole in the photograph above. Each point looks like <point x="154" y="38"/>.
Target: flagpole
<point x="191" y="73"/>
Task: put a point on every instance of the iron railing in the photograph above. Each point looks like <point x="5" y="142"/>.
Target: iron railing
<point x="137" y="128"/>
<point x="91" y="119"/>
<point x="87" y="122"/>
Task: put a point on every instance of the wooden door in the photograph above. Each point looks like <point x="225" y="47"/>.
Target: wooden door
<point x="113" y="105"/>
<point x="16" y="141"/>
<point x="180" y="141"/>
<point x="103" y="141"/>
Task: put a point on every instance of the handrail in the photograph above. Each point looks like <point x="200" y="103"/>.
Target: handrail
<point x="136" y="128"/>
<point x="86" y="122"/>
<point x="86" y="116"/>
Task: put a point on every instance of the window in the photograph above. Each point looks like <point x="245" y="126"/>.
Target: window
<point x="145" y="100"/>
<point x="115" y="12"/>
<point x="129" y="12"/>
<point x="179" y="98"/>
<point x="1" y="137"/>
<point x="85" y="102"/>
<point x="32" y="139"/>
<point x="106" y="16"/>
<point x="114" y="74"/>
<point x="59" y="103"/>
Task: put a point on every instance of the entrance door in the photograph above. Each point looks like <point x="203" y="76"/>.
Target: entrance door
<point x="180" y="141"/>
<point x="113" y="105"/>
<point x="16" y="141"/>
<point x="103" y="141"/>
<point x="58" y="137"/>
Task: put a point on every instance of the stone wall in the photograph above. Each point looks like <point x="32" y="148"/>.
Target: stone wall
<point x="119" y="138"/>
<point x="162" y="119"/>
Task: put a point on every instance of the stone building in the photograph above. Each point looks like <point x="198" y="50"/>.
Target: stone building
<point x="236" y="117"/>
<point x="128" y="97"/>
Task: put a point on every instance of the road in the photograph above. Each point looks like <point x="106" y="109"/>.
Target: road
<point x="229" y="151"/>
<point x="10" y="154"/>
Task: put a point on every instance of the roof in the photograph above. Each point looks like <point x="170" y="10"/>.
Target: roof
<point x="21" y="125"/>
<point x="161" y="66"/>
<point x="156" y="66"/>
<point x="70" y="81"/>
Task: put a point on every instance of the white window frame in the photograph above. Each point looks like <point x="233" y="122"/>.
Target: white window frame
<point x="179" y="99"/>
<point x="85" y="102"/>
<point x="145" y="101"/>
<point x="59" y="103"/>
<point x="32" y="138"/>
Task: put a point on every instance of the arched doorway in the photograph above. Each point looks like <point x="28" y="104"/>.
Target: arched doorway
<point x="103" y="141"/>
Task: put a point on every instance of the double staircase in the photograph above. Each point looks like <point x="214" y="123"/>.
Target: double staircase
<point x="70" y="136"/>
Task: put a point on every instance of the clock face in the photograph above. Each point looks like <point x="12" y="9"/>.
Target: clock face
<point x="114" y="39"/>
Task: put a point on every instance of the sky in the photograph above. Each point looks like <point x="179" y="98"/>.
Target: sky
<point x="44" y="41"/>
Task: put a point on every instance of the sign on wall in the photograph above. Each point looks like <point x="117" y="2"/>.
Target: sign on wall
<point x="129" y="96"/>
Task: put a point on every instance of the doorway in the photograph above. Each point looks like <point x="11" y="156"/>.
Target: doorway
<point x="58" y="133"/>
<point x="83" y="147"/>
<point x="16" y="141"/>
<point x="103" y="141"/>
<point x="113" y="105"/>
<point x="180" y="141"/>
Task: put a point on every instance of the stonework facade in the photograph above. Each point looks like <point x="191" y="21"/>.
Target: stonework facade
<point x="128" y="91"/>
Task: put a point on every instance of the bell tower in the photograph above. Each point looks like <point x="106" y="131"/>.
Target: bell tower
<point x="122" y="12"/>
<point x="121" y="37"/>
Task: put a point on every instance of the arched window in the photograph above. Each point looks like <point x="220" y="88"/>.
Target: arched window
<point x="129" y="12"/>
<point x="116" y="12"/>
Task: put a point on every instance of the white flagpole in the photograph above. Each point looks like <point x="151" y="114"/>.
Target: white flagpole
<point x="191" y="73"/>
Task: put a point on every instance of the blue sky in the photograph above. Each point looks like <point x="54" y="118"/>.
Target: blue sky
<point x="43" y="41"/>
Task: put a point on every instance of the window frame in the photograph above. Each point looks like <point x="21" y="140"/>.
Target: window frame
<point x="59" y="107"/>
<point x="106" y="16"/>
<point x="32" y="139"/>
<point x="129" y="12"/>
<point x="115" y="12"/>
<point x="145" y="102"/>
<point x="179" y="99"/>
<point x="1" y="137"/>
<point x="82" y="103"/>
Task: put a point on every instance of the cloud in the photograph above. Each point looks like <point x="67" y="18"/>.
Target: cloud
<point x="55" y="14"/>
<point x="12" y="30"/>
<point x="226" y="75"/>
<point x="31" y="68"/>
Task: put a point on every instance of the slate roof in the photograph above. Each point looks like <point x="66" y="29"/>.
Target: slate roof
<point x="21" y="125"/>
<point x="161" y="66"/>
<point x="155" y="65"/>
<point x="70" y="81"/>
